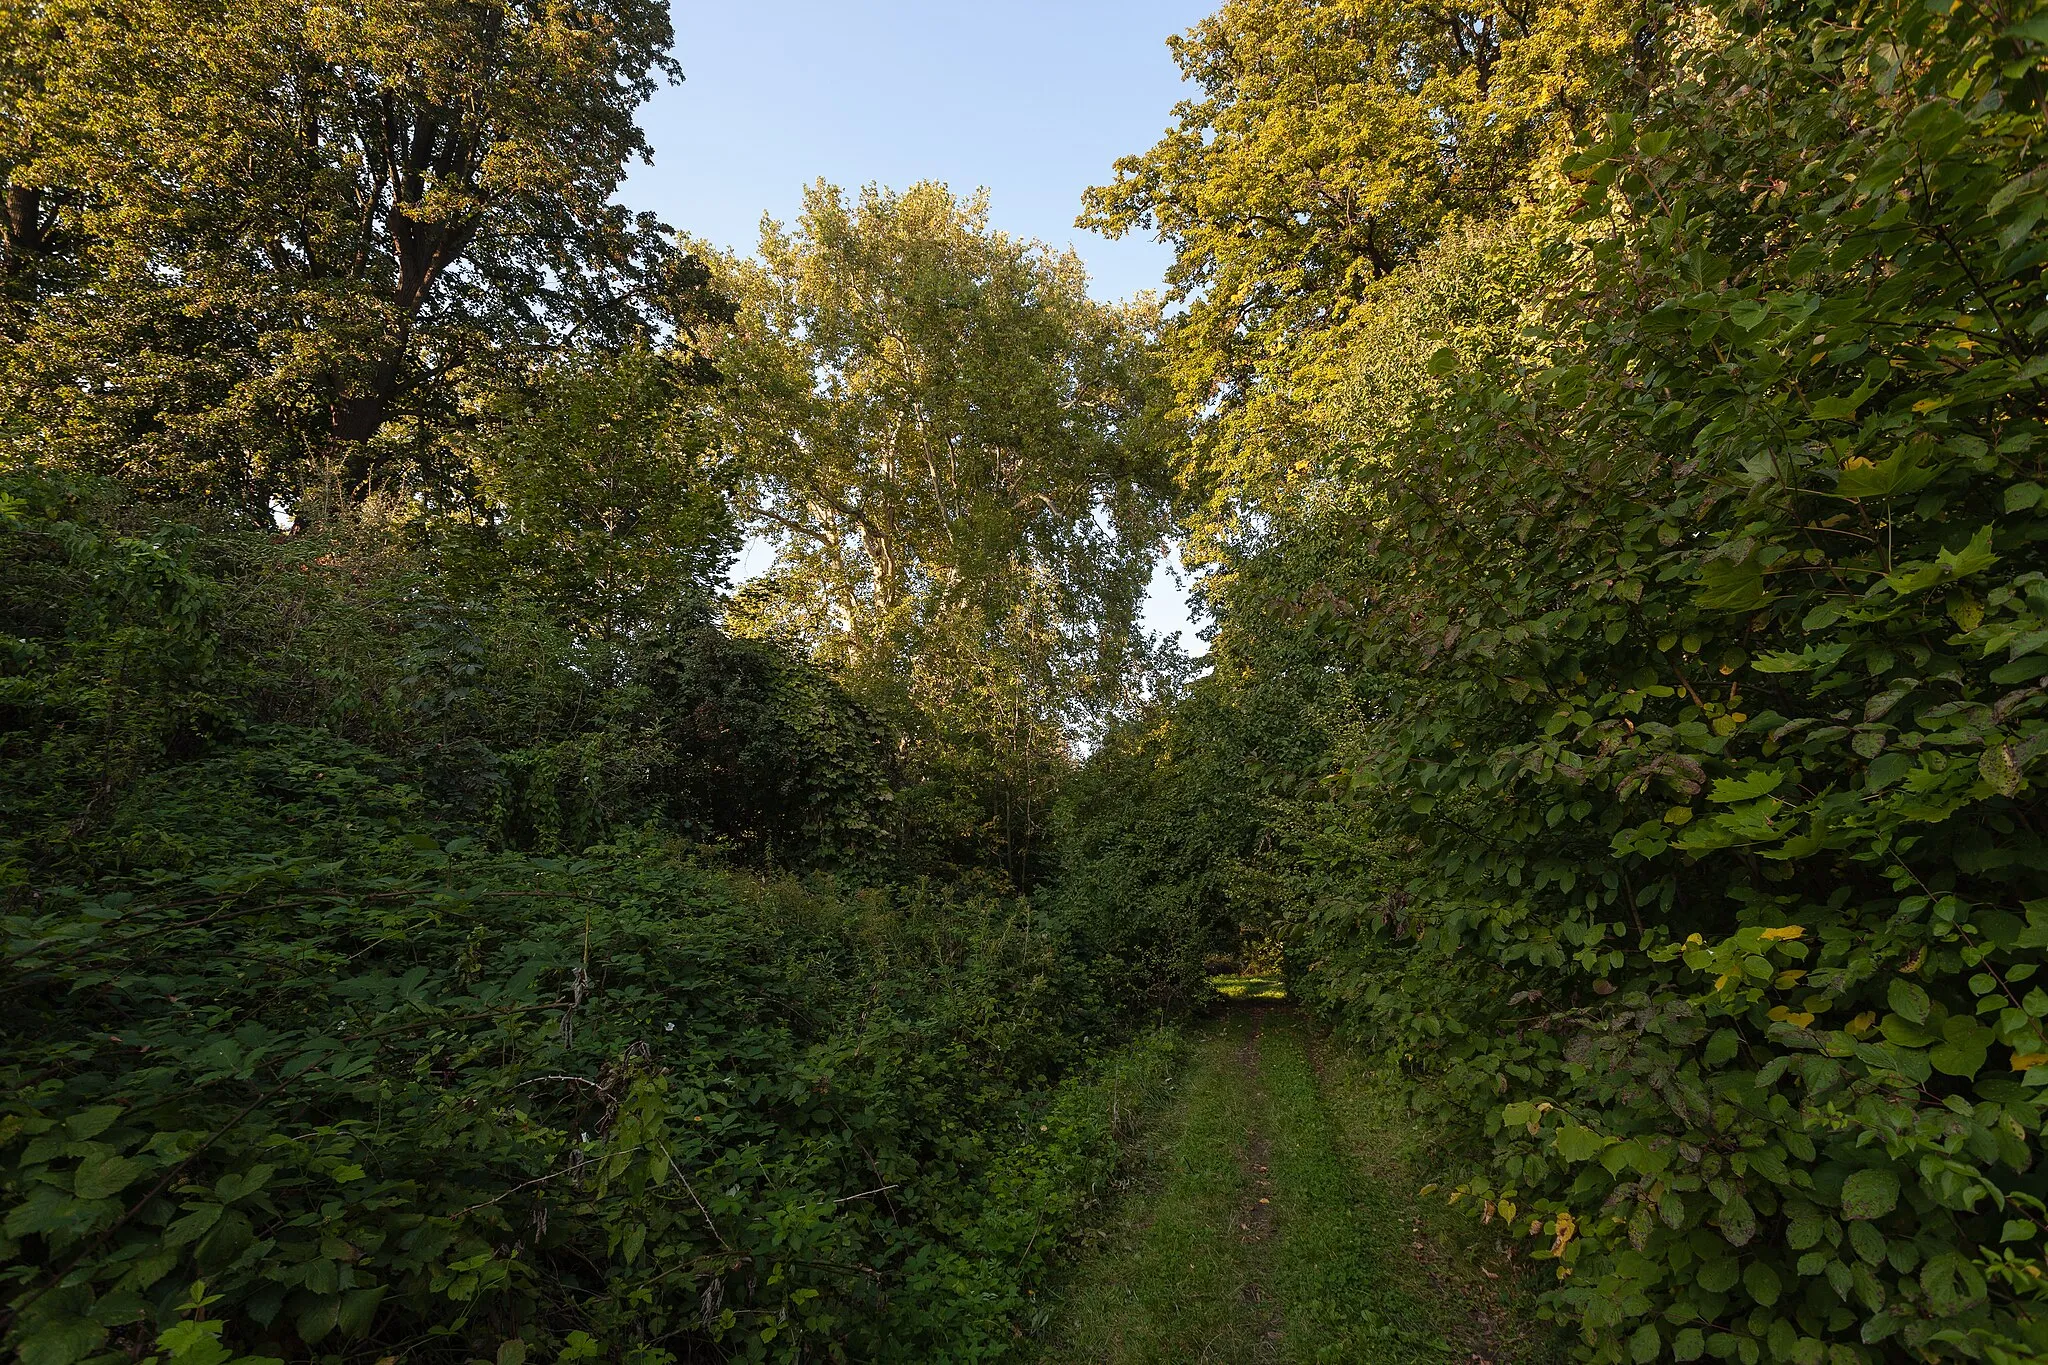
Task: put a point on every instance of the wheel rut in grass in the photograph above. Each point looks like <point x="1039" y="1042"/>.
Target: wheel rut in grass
<point x="1255" y="1224"/>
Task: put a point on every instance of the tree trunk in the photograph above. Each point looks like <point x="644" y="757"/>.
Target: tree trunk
<point x="355" y="419"/>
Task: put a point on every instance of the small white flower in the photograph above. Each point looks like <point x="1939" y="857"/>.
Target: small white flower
<point x="668" y="1028"/>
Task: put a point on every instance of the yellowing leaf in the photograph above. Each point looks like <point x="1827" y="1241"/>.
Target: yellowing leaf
<point x="1567" y="1228"/>
<point x="2027" y="1061"/>
<point x="1905" y="472"/>
<point x="1860" y="1025"/>
<point x="1784" y="932"/>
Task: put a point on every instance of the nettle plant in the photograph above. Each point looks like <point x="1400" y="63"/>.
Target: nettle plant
<point x="1702" y="665"/>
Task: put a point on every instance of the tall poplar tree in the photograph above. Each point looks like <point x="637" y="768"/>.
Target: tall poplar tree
<point x="961" y="458"/>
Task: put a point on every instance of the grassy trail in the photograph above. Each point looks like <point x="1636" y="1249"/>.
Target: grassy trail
<point x="1277" y="1228"/>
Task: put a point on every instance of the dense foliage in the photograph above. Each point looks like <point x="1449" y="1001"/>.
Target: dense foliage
<point x="444" y="920"/>
<point x="377" y="983"/>
<point x="441" y="920"/>
<point x="249" y="244"/>
<point x="1329" y="142"/>
<point x="1673" y="552"/>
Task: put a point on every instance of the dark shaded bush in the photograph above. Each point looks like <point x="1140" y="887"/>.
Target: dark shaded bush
<point x="384" y="1091"/>
<point x="378" y="983"/>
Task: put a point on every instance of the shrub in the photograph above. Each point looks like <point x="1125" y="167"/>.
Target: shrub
<point x="1689" y="841"/>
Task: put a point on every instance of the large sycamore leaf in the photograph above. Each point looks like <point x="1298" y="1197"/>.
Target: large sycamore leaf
<point x="1905" y="472"/>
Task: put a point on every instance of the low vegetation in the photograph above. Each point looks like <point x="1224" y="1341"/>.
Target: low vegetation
<point x="446" y="920"/>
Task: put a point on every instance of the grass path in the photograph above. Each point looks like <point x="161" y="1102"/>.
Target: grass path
<point x="1275" y="1228"/>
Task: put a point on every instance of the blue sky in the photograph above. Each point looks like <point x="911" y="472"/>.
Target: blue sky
<point x="1032" y="99"/>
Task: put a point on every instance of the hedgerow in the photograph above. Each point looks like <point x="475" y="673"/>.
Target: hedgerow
<point x="1686" y="841"/>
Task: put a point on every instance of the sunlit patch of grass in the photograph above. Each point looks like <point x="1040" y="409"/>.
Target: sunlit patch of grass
<point x="1250" y="987"/>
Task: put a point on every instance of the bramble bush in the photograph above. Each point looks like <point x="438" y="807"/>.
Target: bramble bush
<point x="383" y="1091"/>
<point x="339" y="1025"/>
<point x="1686" y="839"/>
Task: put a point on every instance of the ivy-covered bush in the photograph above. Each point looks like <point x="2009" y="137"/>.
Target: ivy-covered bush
<point x="1686" y="838"/>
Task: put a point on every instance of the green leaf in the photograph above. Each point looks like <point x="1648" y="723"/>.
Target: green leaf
<point x="1727" y="586"/>
<point x="1645" y="1345"/>
<point x="1905" y="472"/>
<point x="1689" y="1344"/>
<point x="1718" y="1277"/>
<point x="1951" y="1283"/>
<point x="192" y="1226"/>
<point x="359" y="1309"/>
<point x="105" y="1175"/>
<point x="1737" y="1220"/>
<point x="61" y="1342"/>
<point x="1721" y="1046"/>
<point x="90" y="1123"/>
<point x="1886" y="770"/>
<point x="1975" y="557"/>
<point x="194" y="1343"/>
<point x="1966" y="1045"/>
<point x="318" y="1318"/>
<point x="1908" y="999"/>
<point x="1762" y="1282"/>
<point x="1999" y="766"/>
<point x="1728" y="790"/>
<point x="1806" y="661"/>
<point x="1947" y="566"/>
<point x="1575" y="1142"/>
<point x="1870" y="1193"/>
